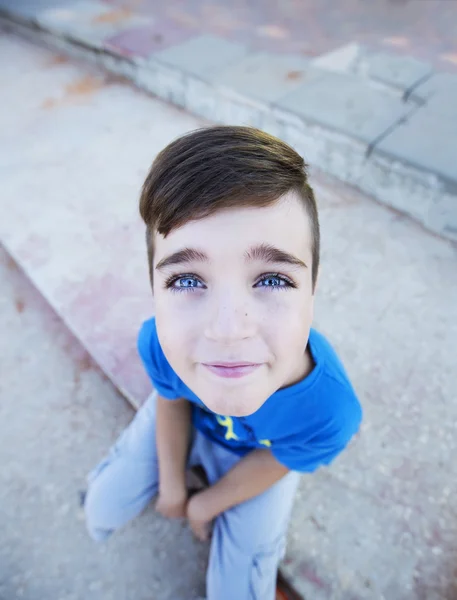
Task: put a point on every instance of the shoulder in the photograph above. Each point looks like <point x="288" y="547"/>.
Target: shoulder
<point x="157" y="366"/>
<point x="324" y="404"/>
<point x="337" y="404"/>
<point x="323" y="413"/>
<point x="148" y="342"/>
<point x="149" y="346"/>
<point x="147" y="334"/>
<point x="340" y="411"/>
<point x="324" y="354"/>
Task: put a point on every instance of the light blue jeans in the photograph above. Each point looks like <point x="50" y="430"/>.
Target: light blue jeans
<point x="248" y="541"/>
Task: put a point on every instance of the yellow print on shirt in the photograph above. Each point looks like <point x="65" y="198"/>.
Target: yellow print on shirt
<point x="227" y="422"/>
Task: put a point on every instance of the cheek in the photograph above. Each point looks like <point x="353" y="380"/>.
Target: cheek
<point x="177" y="335"/>
<point x="288" y="320"/>
<point x="287" y="306"/>
<point x="179" y="308"/>
<point x="171" y="334"/>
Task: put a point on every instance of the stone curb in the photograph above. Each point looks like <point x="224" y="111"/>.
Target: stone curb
<point x="366" y="161"/>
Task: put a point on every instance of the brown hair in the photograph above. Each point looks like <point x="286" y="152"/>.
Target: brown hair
<point x="221" y="167"/>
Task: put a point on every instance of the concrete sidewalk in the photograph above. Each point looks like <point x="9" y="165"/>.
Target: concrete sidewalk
<point x="385" y="123"/>
<point x="381" y="522"/>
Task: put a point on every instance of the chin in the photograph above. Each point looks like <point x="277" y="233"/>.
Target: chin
<point x="233" y="407"/>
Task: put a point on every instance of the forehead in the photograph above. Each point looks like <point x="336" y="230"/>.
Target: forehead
<point x="230" y="232"/>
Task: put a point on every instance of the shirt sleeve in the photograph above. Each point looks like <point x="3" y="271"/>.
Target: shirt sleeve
<point x="306" y="454"/>
<point x="154" y="361"/>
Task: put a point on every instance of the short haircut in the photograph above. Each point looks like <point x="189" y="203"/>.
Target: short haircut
<point x="223" y="167"/>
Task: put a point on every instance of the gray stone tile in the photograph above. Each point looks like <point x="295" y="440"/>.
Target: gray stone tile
<point x="202" y="55"/>
<point x="427" y="141"/>
<point x="348" y="105"/>
<point x="444" y="104"/>
<point x="440" y="82"/>
<point x="439" y="93"/>
<point x="340" y="60"/>
<point x="267" y="77"/>
<point x="400" y="72"/>
<point x="397" y="71"/>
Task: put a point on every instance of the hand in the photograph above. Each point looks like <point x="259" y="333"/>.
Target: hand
<point x="199" y="517"/>
<point x="172" y="502"/>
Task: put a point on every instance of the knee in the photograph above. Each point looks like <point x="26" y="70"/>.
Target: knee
<point x="97" y="514"/>
<point x="99" y="535"/>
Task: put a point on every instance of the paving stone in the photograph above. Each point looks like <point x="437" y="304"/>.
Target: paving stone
<point x="340" y="60"/>
<point x="426" y="140"/>
<point x="444" y="104"/>
<point x="439" y="93"/>
<point x="438" y="83"/>
<point x="203" y="55"/>
<point x="400" y="72"/>
<point x="267" y="77"/>
<point x="89" y="21"/>
<point x="144" y="41"/>
<point x="348" y="105"/>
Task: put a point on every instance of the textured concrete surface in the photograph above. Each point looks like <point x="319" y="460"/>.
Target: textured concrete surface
<point x="76" y="125"/>
<point x="439" y="93"/>
<point x="409" y="142"/>
<point x="91" y="21"/>
<point x="266" y="77"/>
<point x="339" y="107"/>
<point x="394" y="70"/>
<point x="423" y="29"/>
<point x="203" y="55"/>
<point x="381" y="522"/>
<point x="58" y="415"/>
<point x="347" y="105"/>
<point x="426" y="30"/>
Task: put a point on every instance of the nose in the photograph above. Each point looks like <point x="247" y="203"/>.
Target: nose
<point x="229" y="318"/>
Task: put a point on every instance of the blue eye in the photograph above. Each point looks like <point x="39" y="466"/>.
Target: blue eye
<point x="185" y="283"/>
<point x="275" y="281"/>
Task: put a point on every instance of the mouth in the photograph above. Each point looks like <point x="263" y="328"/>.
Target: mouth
<point x="232" y="370"/>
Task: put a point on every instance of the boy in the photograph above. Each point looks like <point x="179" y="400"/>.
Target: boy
<point x="244" y="386"/>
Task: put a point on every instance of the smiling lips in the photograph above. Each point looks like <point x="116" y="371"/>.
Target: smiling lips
<point x="232" y="370"/>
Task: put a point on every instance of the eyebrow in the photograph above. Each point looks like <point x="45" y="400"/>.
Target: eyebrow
<point x="262" y="252"/>
<point x="186" y="255"/>
<point x="270" y="254"/>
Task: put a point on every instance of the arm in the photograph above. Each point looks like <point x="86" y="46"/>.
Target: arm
<point x="251" y="476"/>
<point x="172" y="438"/>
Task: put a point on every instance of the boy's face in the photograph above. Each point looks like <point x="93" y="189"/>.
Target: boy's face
<point x="234" y="320"/>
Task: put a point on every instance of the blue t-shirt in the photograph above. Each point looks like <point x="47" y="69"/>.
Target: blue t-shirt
<point x="305" y="425"/>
